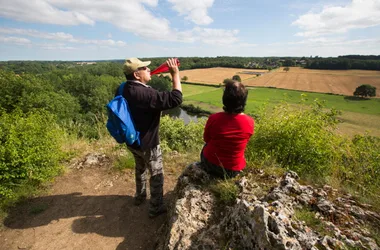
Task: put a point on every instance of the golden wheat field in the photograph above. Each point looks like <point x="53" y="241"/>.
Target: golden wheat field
<point x="217" y="75"/>
<point x="323" y="81"/>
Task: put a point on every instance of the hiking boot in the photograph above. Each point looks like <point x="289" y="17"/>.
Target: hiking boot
<point x="157" y="212"/>
<point x="139" y="200"/>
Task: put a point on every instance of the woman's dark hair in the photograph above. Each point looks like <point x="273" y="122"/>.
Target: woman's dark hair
<point x="234" y="97"/>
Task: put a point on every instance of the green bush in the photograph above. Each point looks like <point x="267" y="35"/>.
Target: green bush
<point x="300" y="139"/>
<point x="161" y="83"/>
<point x="175" y="135"/>
<point x="303" y="139"/>
<point x="29" y="150"/>
<point x="190" y="108"/>
<point x="361" y="163"/>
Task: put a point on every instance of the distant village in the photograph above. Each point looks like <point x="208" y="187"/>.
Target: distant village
<point x="273" y="63"/>
<point x="85" y="63"/>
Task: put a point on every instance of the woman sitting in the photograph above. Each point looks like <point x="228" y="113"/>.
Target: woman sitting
<point x="227" y="133"/>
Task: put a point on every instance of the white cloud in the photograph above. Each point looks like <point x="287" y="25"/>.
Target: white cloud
<point x="56" y="46"/>
<point x="337" y="42"/>
<point x="15" y="40"/>
<point x="216" y="36"/>
<point x="194" y="10"/>
<point x="41" y="11"/>
<point x="203" y="35"/>
<point x="130" y="15"/>
<point x="60" y="36"/>
<point x="207" y="36"/>
<point x="340" y="19"/>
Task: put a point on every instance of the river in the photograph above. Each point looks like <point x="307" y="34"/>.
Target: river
<point x="182" y="114"/>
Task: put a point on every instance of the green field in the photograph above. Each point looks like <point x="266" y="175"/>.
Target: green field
<point x="358" y="115"/>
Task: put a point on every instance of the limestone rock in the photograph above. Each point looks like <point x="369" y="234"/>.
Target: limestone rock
<point x="197" y="221"/>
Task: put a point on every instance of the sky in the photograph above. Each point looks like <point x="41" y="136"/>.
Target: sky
<point x="116" y="29"/>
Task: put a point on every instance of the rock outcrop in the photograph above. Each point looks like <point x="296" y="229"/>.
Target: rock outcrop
<point x="271" y="221"/>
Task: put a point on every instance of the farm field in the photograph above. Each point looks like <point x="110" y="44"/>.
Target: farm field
<point x="357" y="116"/>
<point x="343" y="82"/>
<point x="217" y="75"/>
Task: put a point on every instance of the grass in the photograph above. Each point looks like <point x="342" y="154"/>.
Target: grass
<point x="125" y="160"/>
<point x="303" y="214"/>
<point x="225" y="190"/>
<point x="358" y="116"/>
<point x="258" y="97"/>
<point x="190" y="90"/>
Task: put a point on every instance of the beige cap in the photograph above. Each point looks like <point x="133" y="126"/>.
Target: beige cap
<point x="132" y="64"/>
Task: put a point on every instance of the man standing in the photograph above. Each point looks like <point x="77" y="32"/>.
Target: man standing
<point x="146" y="104"/>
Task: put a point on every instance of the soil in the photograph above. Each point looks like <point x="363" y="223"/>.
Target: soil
<point x="86" y="208"/>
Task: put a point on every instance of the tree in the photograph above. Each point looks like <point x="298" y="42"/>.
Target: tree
<point x="365" y="90"/>
<point x="236" y="78"/>
<point x="288" y="62"/>
<point x="161" y="82"/>
<point x="286" y="69"/>
<point x="185" y="78"/>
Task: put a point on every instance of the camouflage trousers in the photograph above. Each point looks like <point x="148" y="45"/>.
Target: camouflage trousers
<point x="149" y="160"/>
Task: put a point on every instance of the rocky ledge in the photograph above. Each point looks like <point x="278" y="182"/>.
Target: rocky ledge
<point x="266" y="220"/>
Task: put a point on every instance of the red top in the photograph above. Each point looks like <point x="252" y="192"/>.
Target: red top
<point x="226" y="136"/>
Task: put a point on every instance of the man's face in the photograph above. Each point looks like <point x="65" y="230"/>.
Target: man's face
<point x="143" y="74"/>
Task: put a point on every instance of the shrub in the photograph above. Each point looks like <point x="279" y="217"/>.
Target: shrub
<point x="185" y="78"/>
<point x="161" y="82"/>
<point x="361" y="164"/>
<point x="303" y="139"/>
<point x="175" y="135"/>
<point x="365" y="90"/>
<point x="29" y="150"/>
<point x="190" y="108"/>
<point x="300" y="139"/>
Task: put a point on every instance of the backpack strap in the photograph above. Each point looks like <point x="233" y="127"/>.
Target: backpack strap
<point x="121" y="88"/>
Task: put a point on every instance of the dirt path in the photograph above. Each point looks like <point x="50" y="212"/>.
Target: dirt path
<point x="87" y="208"/>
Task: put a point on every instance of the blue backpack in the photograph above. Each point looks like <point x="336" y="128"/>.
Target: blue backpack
<point x="120" y="124"/>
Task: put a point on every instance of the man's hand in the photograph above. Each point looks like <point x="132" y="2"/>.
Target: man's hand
<point x="173" y="67"/>
<point x="174" y="71"/>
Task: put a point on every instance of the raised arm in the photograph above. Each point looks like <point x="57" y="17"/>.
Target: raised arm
<point x="174" y="72"/>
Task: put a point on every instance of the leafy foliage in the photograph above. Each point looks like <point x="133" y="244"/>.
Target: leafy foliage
<point x="361" y="163"/>
<point x="304" y="139"/>
<point x="299" y="139"/>
<point x="365" y="90"/>
<point x="28" y="93"/>
<point x="175" y="135"/>
<point x="161" y="82"/>
<point x="29" y="150"/>
<point x="185" y="78"/>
